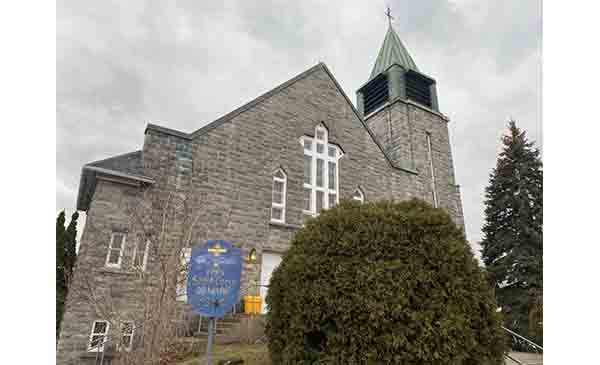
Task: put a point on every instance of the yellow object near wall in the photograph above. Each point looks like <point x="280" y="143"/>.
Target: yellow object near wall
<point x="252" y="304"/>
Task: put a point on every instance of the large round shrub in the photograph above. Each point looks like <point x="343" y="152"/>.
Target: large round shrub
<point x="382" y="283"/>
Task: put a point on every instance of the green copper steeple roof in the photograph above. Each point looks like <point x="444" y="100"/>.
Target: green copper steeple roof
<point x="392" y="51"/>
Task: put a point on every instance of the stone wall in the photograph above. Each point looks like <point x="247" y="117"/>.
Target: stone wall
<point x="402" y="127"/>
<point x="109" y="212"/>
<point x="230" y="180"/>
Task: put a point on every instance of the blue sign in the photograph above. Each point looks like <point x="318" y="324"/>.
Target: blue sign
<point x="213" y="284"/>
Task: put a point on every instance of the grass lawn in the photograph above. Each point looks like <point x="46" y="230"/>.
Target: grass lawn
<point x="251" y="354"/>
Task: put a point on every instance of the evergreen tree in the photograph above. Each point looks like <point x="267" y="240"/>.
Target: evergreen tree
<point x="512" y="243"/>
<point x="60" y="268"/>
<point x="66" y="242"/>
<point x="70" y="247"/>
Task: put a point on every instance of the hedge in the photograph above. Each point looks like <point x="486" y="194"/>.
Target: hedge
<point x="382" y="283"/>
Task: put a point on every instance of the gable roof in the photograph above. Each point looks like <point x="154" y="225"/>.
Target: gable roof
<point x="126" y="168"/>
<point x="227" y="117"/>
<point x="392" y="52"/>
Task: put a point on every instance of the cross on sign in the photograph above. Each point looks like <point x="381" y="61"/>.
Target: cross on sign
<point x="216" y="250"/>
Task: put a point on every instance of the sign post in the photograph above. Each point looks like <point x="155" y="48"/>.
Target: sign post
<point x="213" y="283"/>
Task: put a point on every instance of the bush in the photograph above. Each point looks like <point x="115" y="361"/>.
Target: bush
<point x="382" y="283"/>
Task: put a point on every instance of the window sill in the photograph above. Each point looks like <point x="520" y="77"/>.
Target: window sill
<point x="115" y="270"/>
<point x="284" y="225"/>
<point x="108" y="354"/>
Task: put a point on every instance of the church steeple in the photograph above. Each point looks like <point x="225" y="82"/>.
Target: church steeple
<point x="395" y="76"/>
<point x="392" y="52"/>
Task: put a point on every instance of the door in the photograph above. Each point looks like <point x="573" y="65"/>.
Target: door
<point x="270" y="261"/>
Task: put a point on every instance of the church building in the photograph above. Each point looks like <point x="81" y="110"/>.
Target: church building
<point x="258" y="172"/>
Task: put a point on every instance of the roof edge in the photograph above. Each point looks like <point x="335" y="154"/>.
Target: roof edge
<point x="115" y="173"/>
<point x="268" y="94"/>
<point x="113" y="157"/>
<point x="257" y="100"/>
<point x="87" y="182"/>
<point x="165" y="130"/>
<point x="414" y="172"/>
<point x="224" y="118"/>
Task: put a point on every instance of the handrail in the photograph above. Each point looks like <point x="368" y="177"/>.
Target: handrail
<point x="518" y="338"/>
<point x="529" y="342"/>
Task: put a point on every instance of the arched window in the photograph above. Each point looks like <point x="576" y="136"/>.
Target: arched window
<point x="321" y="175"/>
<point x="358" y="195"/>
<point x="278" y="196"/>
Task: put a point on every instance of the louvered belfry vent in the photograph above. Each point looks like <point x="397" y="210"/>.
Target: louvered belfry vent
<point x="418" y="88"/>
<point x="375" y="93"/>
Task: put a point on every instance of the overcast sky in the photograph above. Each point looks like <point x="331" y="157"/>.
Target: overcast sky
<point x="182" y="64"/>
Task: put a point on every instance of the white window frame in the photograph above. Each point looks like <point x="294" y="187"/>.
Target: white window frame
<point x="361" y="199"/>
<point x="135" y="252"/>
<point x="110" y="249"/>
<point x="283" y="195"/>
<point x="121" y="347"/>
<point x="181" y="289"/>
<point x="431" y="170"/>
<point x="314" y="155"/>
<point x="92" y="334"/>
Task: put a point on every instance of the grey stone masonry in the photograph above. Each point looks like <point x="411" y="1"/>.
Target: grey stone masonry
<point x="402" y="127"/>
<point x="227" y="168"/>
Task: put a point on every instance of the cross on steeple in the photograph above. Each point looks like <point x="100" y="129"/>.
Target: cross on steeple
<point x="389" y="15"/>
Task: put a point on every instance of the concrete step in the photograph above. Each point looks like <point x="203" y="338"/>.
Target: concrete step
<point x="525" y="358"/>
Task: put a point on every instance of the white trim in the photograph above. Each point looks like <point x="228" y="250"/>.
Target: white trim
<point x="121" y="250"/>
<point x="92" y="334"/>
<point x="283" y="195"/>
<point x="181" y="289"/>
<point x="145" y="258"/>
<point x="432" y="171"/>
<point x="324" y="156"/>
<point x="270" y="260"/>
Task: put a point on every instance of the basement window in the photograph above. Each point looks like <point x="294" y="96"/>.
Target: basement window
<point x="127" y="329"/>
<point x="98" y="336"/>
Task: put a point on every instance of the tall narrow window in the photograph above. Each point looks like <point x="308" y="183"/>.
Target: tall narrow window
<point x="140" y="254"/>
<point x="98" y="336"/>
<point x="181" y="289"/>
<point x="183" y="155"/>
<point x="321" y="175"/>
<point x="358" y="196"/>
<point x="431" y="170"/>
<point x="127" y="329"/>
<point x="115" y="249"/>
<point x="278" y="196"/>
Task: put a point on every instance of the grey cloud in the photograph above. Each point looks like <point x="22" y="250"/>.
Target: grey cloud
<point x="183" y="64"/>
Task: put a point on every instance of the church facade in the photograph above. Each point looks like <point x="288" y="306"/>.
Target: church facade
<point x="269" y="164"/>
